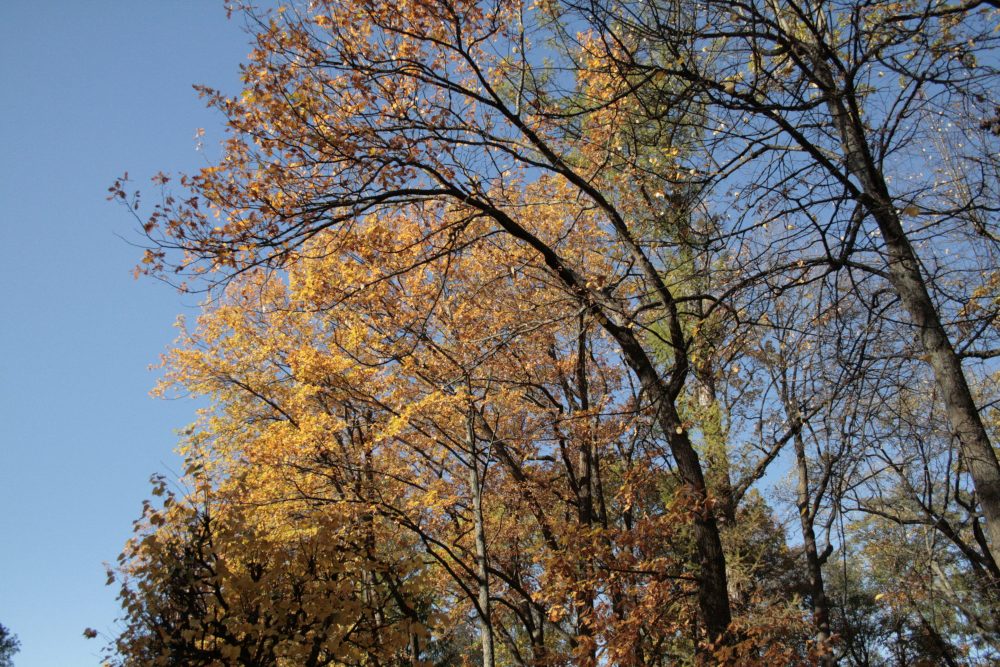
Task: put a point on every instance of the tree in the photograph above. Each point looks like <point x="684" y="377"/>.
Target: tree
<point x="383" y="110"/>
<point x="9" y="645"/>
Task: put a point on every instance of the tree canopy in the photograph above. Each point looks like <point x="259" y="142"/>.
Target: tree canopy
<point x="563" y="332"/>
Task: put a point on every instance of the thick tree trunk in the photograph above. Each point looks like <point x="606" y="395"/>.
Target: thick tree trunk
<point x="713" y="587"/>
<point x="963" y="415"/>
<point x="908" y="282"/>
<point x="713" y="593"/>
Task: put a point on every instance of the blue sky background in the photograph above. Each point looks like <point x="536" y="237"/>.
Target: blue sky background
<point x="89" y="90"/>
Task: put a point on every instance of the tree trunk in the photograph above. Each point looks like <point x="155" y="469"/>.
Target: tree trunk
<point x="716" y="447"/>
<point x="908" y="282"/>
<point x="482" y="572"/>
<point x="713" y="586"/>
<point x="713" y="594"/>
<point x="966" y="423"/>
<point x="585" y="507"/>
<point x="814" y="564"/>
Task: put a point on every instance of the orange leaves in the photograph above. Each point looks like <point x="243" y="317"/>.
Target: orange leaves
<point x="345" y="112"/>
<point x="425" y="268"/>
<point x="350" y="386"/>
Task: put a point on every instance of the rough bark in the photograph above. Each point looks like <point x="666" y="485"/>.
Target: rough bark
<point x="909" y="283"/>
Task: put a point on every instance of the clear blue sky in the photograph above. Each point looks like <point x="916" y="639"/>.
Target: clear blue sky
<point x="89" y="90"/>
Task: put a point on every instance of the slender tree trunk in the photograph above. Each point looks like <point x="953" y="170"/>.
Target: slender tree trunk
<point x="370" y="596"/>
<point x="716" y="450"/>
<point x="814" y="564"/>
<point x="966" y="423"/>
<point x="585" y="508"/>
<point x="482" y="571"/>
<point x="414" y="649"/>
<point x="585" y="601"/>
